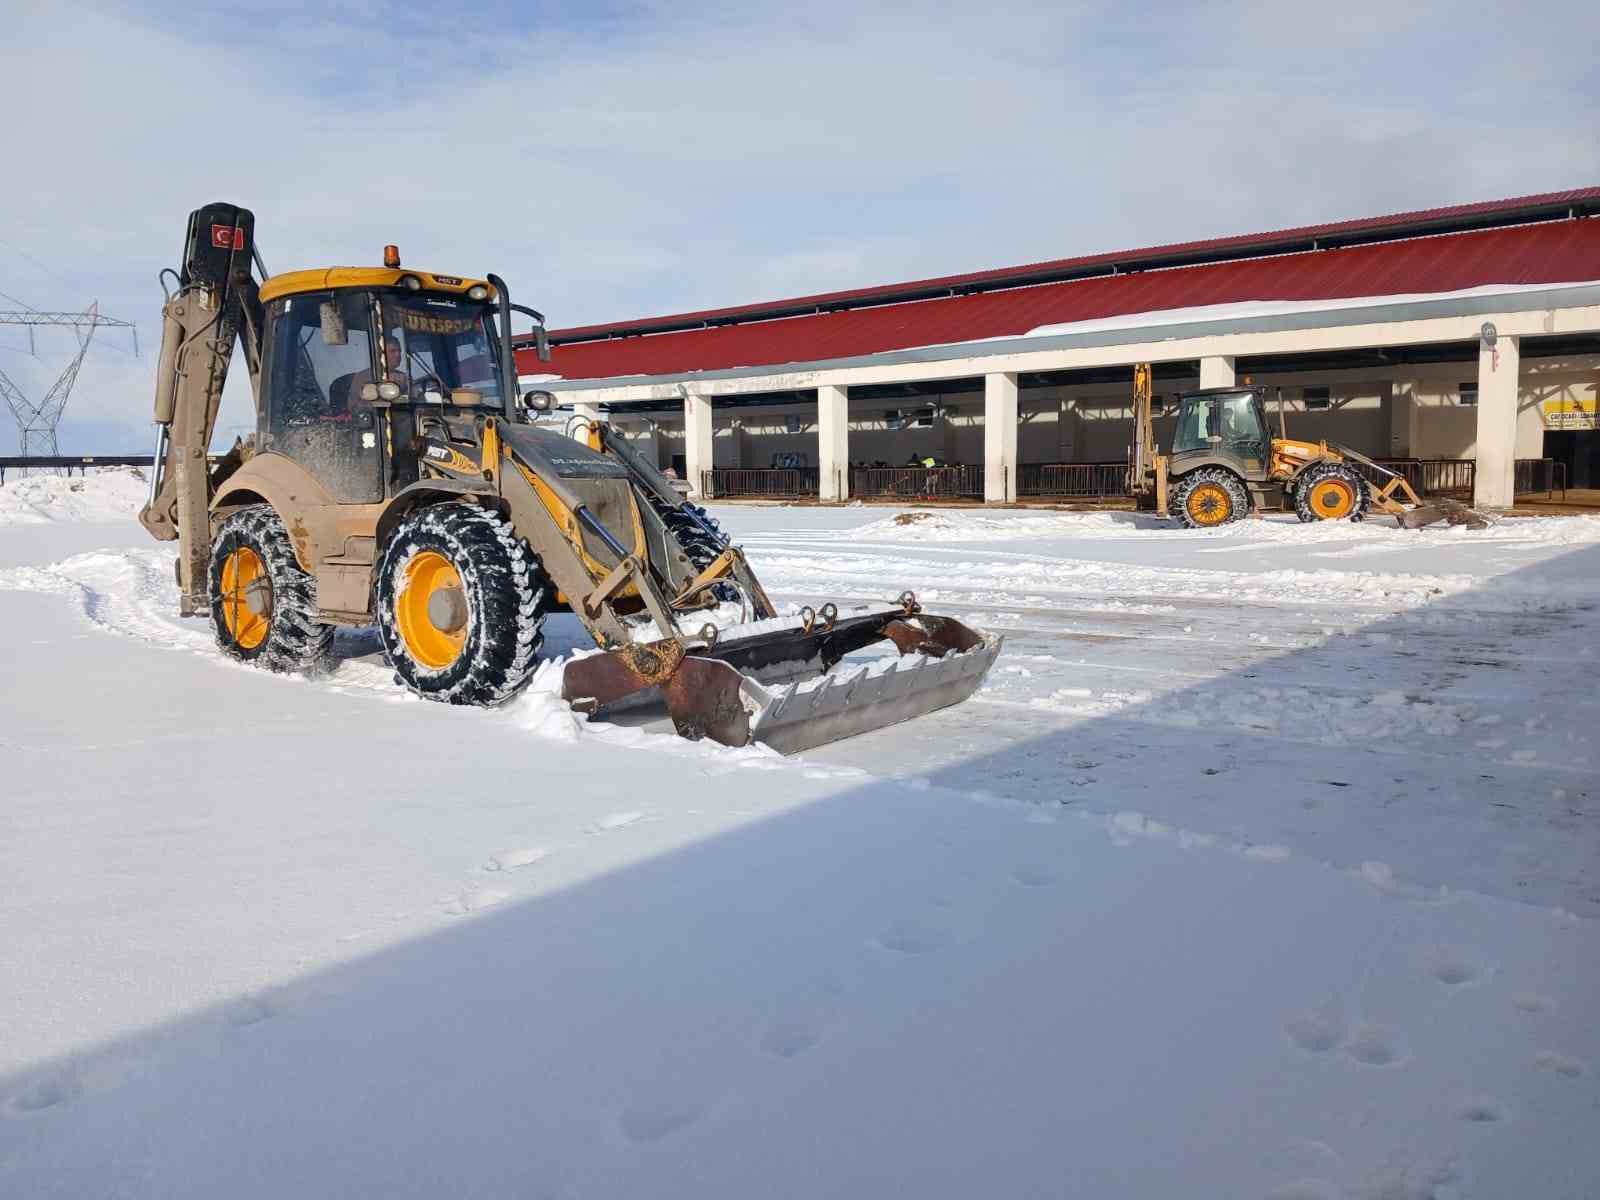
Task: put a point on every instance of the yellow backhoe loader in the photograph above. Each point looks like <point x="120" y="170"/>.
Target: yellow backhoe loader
<point x="1224" y="465"/>
<point x="395" y="479"/>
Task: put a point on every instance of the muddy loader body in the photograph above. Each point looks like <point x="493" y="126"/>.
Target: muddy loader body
<point x="395" y="480"/>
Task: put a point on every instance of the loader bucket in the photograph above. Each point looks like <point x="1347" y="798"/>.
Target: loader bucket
<point x="768" y="682"/>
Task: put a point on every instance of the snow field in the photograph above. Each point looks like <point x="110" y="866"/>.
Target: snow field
<point x="1253" y="871"/>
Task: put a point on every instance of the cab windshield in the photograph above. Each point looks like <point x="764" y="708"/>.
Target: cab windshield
<point x="1235" y="419"/>
<point x="442" y="350"/>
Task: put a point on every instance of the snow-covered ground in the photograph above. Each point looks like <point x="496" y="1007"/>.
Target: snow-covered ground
<point x="1265" y="864"/>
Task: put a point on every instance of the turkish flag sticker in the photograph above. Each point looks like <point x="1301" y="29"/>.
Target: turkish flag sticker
<point x="227" y="237"/>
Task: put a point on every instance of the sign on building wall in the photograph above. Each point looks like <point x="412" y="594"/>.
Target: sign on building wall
<point x="1569" y="414"/>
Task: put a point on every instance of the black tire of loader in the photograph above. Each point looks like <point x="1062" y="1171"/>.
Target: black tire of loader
<point x="508" y="595"/>
<point x="296" y="641"/>
<point x="1238" y="496"/>
<point x="1293" y="498"/>
<point x="1307" y="483"/>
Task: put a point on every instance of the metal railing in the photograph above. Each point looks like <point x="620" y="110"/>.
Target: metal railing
<point x="775" y="482"/>
<point x="71" y="463"/>
<point x="1452" y="477"/>
<point x="1455" y="477"/>
<point x="1089" y="480"/>
<point x="1545" y="476"/>
<point x="917" y="483"/>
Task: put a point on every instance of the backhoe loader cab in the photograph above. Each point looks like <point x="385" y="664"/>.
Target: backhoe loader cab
<point x="1226" y="425"/>
<point x="393" y="481"/>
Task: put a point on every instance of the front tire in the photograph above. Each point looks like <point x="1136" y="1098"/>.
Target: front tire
<point x="1331" y="492"/>
<point x="263" y="606"/>
<point x="700" y="546"/>
<point x="461" y="602"/>
<point x="1209" y="497"/>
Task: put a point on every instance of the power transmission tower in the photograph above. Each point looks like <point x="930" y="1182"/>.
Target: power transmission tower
<point x="37" y="422"/>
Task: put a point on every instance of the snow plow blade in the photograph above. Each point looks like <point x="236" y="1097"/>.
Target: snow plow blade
<point x="771" y="685"/>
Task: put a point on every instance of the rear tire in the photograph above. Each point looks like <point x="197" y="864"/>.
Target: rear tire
<point x="1208" y="498"/>
<point x="461" y="602"/>
<point x="1330" y="492"/>
<point x="263" y="606"/>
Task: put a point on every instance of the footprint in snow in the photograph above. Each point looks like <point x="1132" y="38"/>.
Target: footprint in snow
<point x="789" y="1039"/>
<point x="1316" y="1030"/>
<point x="617" y="821"/>
<point x="646" y="1123"/>
<point x="471" y="900"/>
<point x="510" y="860"/>
<point x="248" y="1010"/>
<point x="1453" y="969"/>
<point x="44" y="1093"/>
<point x="1561" y="1064"/>
<point x="1375" y="1046"/>
<point x="1532" y="1002"/>
<point x="1481" y="1110"/>
<point x="1033" y="876"/>
<point x="1306" y="1189"/>
<point x="909" y="937"/>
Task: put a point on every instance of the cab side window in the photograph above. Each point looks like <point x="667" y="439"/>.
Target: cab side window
<point x="320" y="356"/>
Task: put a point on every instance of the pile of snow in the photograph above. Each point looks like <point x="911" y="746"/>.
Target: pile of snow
<point x="106" y="494"/>
<point x="1377" y="534"/>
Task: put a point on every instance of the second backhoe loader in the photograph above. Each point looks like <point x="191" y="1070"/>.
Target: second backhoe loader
<point x="394" y="480"/>
<point x="1224" y="464"/>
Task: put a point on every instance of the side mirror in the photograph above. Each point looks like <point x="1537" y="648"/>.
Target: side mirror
<point x="334" y="332"/>
<point x="541" y="341"/>
<point x="539" y="401"/>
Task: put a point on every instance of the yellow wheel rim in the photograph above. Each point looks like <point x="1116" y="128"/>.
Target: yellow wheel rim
<point x="427" y="575"/>
<point x="1209" y="504"/>
<point x="1332" y="499"/>
<point x="242" y="572"/>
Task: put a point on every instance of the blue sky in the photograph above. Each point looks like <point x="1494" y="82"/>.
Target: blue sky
<point x="619" y="160"/>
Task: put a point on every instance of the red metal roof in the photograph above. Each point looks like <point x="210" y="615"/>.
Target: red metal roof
<point x="1550" y="252"/>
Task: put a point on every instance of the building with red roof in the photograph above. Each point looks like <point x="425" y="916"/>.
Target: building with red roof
<point x="1367" y="332"/>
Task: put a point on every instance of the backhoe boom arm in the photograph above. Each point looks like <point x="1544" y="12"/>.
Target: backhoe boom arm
<point x="216" y="302"/>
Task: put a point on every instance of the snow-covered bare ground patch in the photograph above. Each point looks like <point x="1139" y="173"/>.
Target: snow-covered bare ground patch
<point x="1272" y="849"/>
<point x="109" y="494"/>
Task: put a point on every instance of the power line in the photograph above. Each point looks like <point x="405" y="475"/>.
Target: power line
<point x="47" y="270"/>
<point x="37" y="422"/>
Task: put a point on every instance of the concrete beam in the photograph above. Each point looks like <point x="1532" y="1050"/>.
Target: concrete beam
<point x="1216" y="371"/>
<point x="833" y="442"/>
<point x="697" y="434"/>
<point x="1032" y="354"/>
<point x="1499" y="369"/>
<point x="1000" y="437"/>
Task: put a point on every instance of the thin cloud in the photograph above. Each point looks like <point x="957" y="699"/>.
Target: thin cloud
<point x="635" y="159"/>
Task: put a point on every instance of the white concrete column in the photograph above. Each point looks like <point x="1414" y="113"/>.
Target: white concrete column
<point x="1530" y="427"/>
<point x="697" y="445"/>
<point x="1402" y="418"/>
<point x="585" y="409"/>
<point x="643" y="438"/>
<point x="833" y="442"/>
<point x="1000" y="437"/>
<point x="1498" y="372"/>
<point x="1217" y="371"/>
